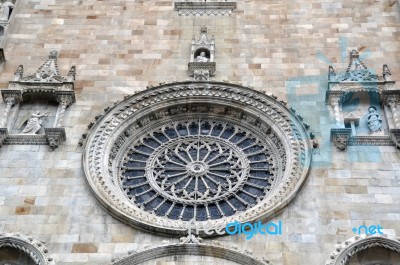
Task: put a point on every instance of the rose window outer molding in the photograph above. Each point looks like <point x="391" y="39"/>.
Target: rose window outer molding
<point x="35" y="249"/>
<point x="45" y="84"/>
<point x="208" y="152"/>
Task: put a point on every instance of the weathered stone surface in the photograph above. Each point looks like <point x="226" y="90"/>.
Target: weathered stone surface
<point x="120" y="47"/>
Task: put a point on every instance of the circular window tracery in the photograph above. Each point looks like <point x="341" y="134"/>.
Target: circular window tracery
<point x="210" y="152"/>
<point x="198" y="169"/>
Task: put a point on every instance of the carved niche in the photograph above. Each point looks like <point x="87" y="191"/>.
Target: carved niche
<point x="36" y="104"/>
<point x="364" y="106"/>
<point x="202" y="65"/>
<point x="204" y="7"/>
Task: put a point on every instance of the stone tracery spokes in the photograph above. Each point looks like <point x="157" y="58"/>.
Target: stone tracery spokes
<point x="200" y="169"/>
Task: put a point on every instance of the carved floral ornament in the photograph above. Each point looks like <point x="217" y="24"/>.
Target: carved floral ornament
<point x="343" y="252"/>
<point x="35" y="249"/>
<point x="210" y="152"/>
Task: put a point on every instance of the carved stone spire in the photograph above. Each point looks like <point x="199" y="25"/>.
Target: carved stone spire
<point x="71" y="74"/>
<point x="19" y="73"/>
<point x="387" y="76"/>
<point x="331" y="74"/>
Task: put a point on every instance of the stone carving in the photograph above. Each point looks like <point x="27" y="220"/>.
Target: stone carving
<point x="204" y="7"/>
<point x="19" y="73"/>
<point x="387" y="76"/>
<point x="192" y="246"/>
<point x="374" y="120"/>
<point x="341" y="137"/>
<point x="157" y="139"/>
<point x="356" y="71"/>
<point x="5" y="10"/>
<point x="34" y="123"/>
<point x="202" y="65"/>
<point x="331" y="74"/>
<point x="45" y="83"/>
<point x="343" y="252"/>
<point x="55" y="136"/>
<point x="202" y="58"/>
<point x="191" y="239"/>
<point x="35" y="249"/>
<point x="356" y="81"/>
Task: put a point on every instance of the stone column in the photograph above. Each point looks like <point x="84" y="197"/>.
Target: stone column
<point x="392" y="102"/>
<point x="10" y="103"/>
<point x="335" y="103"/>
<point x="64" y="102"/>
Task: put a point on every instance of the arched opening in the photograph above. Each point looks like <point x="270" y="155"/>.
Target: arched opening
<point x="367" y="250"/>
<point x="375" y="256"/>
<point x="14" y="256"/>
<point x="202" y="53"/>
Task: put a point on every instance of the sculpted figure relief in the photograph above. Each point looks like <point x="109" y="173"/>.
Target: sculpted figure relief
<point x="34" y="123"/>
<point x="374" y="120"/>
<point x="6" y="9"/>
<point x="202" y="58"/>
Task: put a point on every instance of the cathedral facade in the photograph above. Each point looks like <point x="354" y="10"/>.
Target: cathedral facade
<point x="199" y="132"/>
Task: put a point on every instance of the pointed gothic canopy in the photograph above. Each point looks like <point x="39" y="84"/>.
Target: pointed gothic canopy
<point x="356" y="71"/>
<point x="48" y="72"/>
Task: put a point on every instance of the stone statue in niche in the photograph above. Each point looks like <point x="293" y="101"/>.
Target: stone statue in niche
<point x="5" y="10"/>
<point x="374" y="120"/>
<point x="34" y="123"/>
<point x="202" y="58"/>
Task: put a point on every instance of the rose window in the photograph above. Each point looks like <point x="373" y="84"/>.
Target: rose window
<point x="198" y="170"/>
<point x="207" y="152"/>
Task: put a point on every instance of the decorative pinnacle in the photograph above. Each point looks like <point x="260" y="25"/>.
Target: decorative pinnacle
<point x="53" y="54"/>
<point x="354" y="54"/>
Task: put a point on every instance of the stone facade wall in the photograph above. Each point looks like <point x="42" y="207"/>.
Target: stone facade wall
<point x="120" y="47"/>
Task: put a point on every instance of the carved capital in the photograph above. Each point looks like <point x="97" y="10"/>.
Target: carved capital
<point x="55" y="136"/>
<point x="340" y="138"/>
<point x="65" y="99"/>
<point x="395" y="135"/>
<point x="334" y="101"/>
<point x="14" y="96"/>
<point x="334" y="97"/>
<point x="391" y="98"/>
